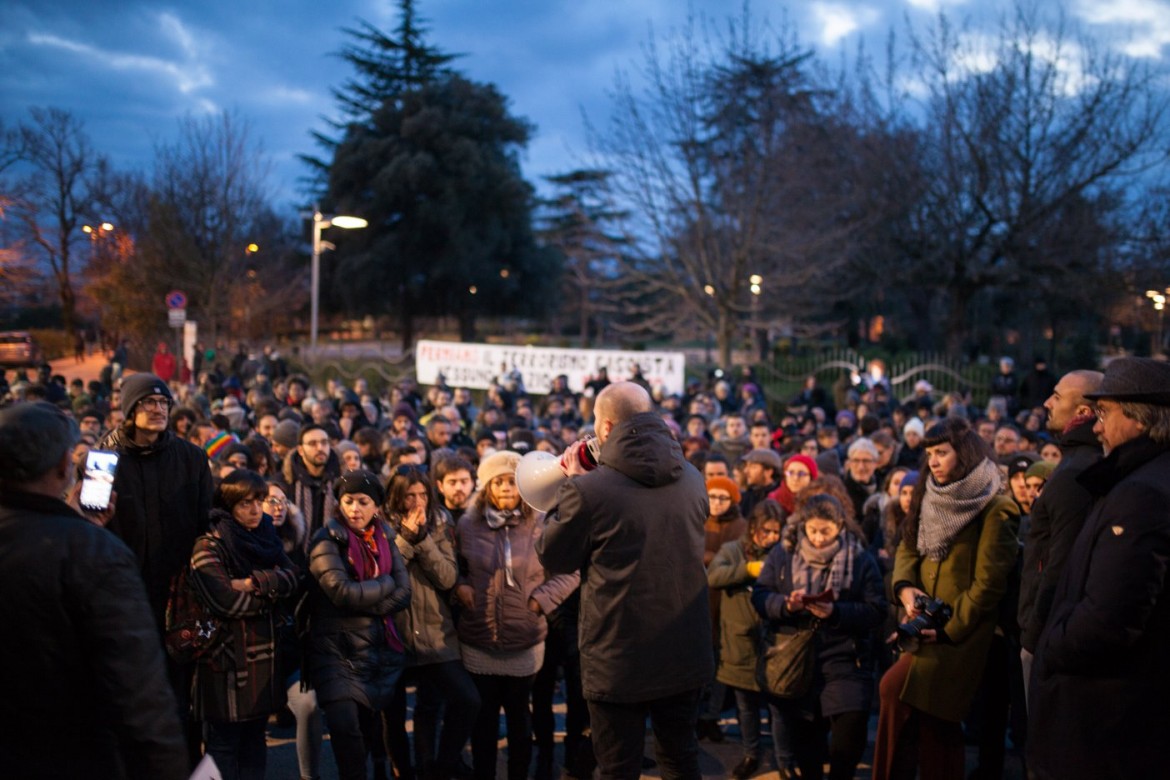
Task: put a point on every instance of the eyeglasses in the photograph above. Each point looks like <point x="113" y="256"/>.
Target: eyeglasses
<point x="274" y="502"/>
<point x="156" y="403"/>
<point x="718" y="498"/>
<point x="407" y="469"/>
<point x="797" y="474"/>
<point x="863" y="461"/>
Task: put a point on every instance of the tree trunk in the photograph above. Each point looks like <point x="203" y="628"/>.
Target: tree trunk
<point x="724" y="334"/>
<point x="956" y="324"/>
<point x="467" y="325"/>
<point x="68" y="307"/>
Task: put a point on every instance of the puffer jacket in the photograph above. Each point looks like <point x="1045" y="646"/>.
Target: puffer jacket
<point x="500" y="618"/>
<point x="349" y="654"/>
<point x="427" y="626"/>
<point x="164" y="499"/>
<point x="634" y="528"/>
<point x="241" y="679"/>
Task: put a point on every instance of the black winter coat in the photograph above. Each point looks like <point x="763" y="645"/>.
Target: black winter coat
<point x="83" y="685"/>
<point x="164" y="499"/>
<point x="1057" y="517"/>
<point x="349" y="656"/>
<point x="634" y="527"/>
<point x="1100" y="681"/>
<point x="844" y="657"/>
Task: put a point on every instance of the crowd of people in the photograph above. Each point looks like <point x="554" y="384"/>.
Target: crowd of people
<point x="989" y="576"/>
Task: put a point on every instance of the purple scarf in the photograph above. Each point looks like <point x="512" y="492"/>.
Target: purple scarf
<point x="369" y="554"/>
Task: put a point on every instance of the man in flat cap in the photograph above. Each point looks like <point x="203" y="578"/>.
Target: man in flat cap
<point x="85" y="691"/>
<point x="1100" y="680"/>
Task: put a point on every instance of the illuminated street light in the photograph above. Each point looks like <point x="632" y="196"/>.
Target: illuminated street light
<point x="321" y="222"/>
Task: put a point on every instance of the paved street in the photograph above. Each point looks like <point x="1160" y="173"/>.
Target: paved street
<point x="716" y="759"/>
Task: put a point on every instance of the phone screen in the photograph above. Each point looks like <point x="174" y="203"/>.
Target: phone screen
<point x="99" y="480"/>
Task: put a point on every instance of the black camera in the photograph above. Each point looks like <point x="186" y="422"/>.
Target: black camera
<point x="932" y="614"/>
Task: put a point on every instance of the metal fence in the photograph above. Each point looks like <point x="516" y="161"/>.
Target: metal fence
<point x="784" y="378"/>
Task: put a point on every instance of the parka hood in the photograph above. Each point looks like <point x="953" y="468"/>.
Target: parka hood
<point x="643" y="449"/>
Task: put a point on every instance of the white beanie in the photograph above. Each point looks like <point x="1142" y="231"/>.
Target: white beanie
<point x="914" y="424"/>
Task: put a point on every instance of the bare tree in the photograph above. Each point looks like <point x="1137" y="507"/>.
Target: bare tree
<point x="209" y="188"/>
<point x="1015" y="139"/>
<point x="733" y="162"/>
<point x="52" y="199"/>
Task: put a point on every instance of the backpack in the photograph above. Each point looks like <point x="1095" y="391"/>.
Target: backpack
<point x="192" y="631"/>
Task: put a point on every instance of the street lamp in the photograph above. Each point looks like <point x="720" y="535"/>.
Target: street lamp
<point x="1159" y="301"/>
<point x="320" y="222"/>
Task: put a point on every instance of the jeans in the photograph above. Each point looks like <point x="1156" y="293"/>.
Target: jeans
<point x="781" y="737"/>
<point x="303" y="705"/>
<point x="619" y="736"/>
<point x="239" y="749"/>
<point x="510" y="693"/>
<point x="747" y="711"/>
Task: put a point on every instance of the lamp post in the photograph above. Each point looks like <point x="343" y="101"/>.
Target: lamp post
<point x="757" y="288"/>
<point x="320" y="222"/>
<point x="1159" y="301"/>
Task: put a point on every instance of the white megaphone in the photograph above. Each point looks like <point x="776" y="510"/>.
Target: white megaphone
<point x="538" y="477"/>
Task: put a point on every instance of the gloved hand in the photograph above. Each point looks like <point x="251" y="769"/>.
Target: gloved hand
<point x="754" y="568"/>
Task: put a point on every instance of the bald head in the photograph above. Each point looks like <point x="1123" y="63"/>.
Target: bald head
<point x="617" y="403"/>
<point x="1067" y="401"/>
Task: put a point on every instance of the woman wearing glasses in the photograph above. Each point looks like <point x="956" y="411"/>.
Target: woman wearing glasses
<point x="724" y="524"/>
<point x="799" y="471"/>
<point x="290" y="527"/>
<point x="426" y="542"/>
<point x="241" y="572"/>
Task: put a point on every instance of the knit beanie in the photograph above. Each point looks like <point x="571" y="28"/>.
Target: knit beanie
<point x="138" y="386"/>
<point x="496" y="464"/>
<point x="360" y="481"/>
<point x="808" y="462"/>
<point x="723" y="483"/>
<point x="285" y="433"/>
<point x="1042" y="469"/>
<point x="914" y="424"/>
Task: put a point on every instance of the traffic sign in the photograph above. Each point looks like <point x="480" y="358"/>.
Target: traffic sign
<point x="176" y="299"/>
<point x="176" y="317"/>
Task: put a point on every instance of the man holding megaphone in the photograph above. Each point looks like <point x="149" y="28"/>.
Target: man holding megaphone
<point x="634" y="527"/>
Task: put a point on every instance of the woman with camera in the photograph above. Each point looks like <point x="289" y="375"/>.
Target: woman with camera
<point x="957" y="551"/>
<point x="831" y="585"/>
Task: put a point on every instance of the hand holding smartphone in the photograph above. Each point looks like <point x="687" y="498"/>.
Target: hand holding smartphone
<point x="98" y="483"/>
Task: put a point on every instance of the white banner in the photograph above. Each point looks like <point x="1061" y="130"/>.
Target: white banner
<point x="475" y="366"/>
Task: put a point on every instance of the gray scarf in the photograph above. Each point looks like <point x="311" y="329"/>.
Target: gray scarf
<point x="948" y="509"/>
<point x="814" y="569"/>
<point x="506" y="519"/>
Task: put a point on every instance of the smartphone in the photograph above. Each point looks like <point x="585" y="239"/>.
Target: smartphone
<point x="98" y="482"/>
<point x="813" y="598"/>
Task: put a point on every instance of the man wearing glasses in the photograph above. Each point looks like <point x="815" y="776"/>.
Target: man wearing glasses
<point x="310" y="471"/>
<point x="1100" y="677"/>
<point x="860" y="469"/>
<point x="163" y="488"/>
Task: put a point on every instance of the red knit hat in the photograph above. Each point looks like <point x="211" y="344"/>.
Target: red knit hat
<point x="806" y="461"/>
<point x="723" y="483"/>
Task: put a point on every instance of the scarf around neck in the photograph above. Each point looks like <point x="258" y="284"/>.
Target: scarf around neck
<point x="369" y="553"/>
<point x="248" y="550"/>
<point x="815" y="569"/>
<point x="947" y="509"/>
<point x="505" y="519"/>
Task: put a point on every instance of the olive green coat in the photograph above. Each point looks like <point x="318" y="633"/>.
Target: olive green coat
<point x="727" y="575"/>
<point x="972" y="579"/>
